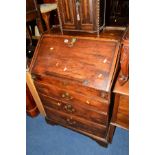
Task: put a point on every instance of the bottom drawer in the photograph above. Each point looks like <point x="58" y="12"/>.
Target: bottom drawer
<point x="76" y="122"/>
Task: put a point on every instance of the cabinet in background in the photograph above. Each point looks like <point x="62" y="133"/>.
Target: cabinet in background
<point x="81" y="15"/>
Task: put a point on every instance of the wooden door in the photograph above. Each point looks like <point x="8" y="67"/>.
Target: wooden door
<point x="87" y="14"/>
<point x="67" y="10"/>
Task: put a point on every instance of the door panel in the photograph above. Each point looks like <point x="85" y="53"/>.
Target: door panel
<point x="87" y="12"/>
<point x="67" y="13"/>
<point x="78" y="14"/>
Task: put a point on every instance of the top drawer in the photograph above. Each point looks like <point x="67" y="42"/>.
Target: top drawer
<point x="71" y="85"/>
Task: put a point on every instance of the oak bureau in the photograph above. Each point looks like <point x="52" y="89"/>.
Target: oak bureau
<point x="74" y="78"/>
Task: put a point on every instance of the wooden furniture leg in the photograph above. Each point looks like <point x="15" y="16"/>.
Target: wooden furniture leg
<point x="123" y="77"/>
<point x="29" y="34"/>
<point x="40" y="26"/>
<point x="46" y="18"/>
<point x="111" y="133"/>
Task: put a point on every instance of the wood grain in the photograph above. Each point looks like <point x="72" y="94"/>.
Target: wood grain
<point x="81" y="15"/>
<point x="99" y="60"/>
<point x="74" y="81"/>
<point x="120" y="116"/>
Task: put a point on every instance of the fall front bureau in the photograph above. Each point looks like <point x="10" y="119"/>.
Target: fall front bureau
<point x="73" y="77"/>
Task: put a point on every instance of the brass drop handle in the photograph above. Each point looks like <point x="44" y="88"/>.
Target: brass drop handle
<point x="69" y="108"/>
<point x="70" y="121"/>
<point x="66" y="95"/>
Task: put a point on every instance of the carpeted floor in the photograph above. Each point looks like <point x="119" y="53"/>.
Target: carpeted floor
<point x="44" y="139"/>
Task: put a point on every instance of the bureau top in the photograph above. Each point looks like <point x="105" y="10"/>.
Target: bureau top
<point x="88" y="61"/>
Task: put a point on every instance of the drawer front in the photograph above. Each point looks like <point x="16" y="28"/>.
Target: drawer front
<point x="70" y="84"/>
<point x="123" y="110"/>
<point x="120" y="115"/>
<point x="70" y="96"/>
<point x="74" y="109"/>
<point x="76" y="123"/>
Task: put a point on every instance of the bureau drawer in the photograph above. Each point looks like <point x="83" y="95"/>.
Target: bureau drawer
<point x="74" y="109"/>
<point x="123" y="111"/>
<point x="70" y="84"/>
<point x="70" y="96"/>
<point x="76" y="122"/>
<point x="120" y="115"/>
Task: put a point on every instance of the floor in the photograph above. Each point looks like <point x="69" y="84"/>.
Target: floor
<point x="45" y="139"/>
